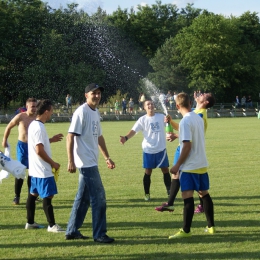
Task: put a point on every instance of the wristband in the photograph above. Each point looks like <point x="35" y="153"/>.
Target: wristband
<point x="126" y="138"/>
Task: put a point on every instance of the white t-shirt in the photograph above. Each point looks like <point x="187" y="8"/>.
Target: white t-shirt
<point x="191" y="128"/>
<point x="153" y="129"/>
<point x="85" y="124"/>
<point x="37" y="135"/>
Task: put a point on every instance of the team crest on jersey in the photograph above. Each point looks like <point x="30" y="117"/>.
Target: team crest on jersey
<point x="155" y="126"/>
<point x="95" y="128"/>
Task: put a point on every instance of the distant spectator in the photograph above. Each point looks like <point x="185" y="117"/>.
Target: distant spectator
<point x="141" y="100"/>
<point x="20" y="110"/>
<point x="117" y="107"/>
<point x="249" y="102"/>
<point x="124" y="104"/>
<point x="175" y="95"/>
<point x="237" y="102"/>
<point x="131" y="106"/>
<point x="167" y="100"/>
<point x="171" y="102"/>
<point x="69" y="102"/>
<point x="243" y="101"/>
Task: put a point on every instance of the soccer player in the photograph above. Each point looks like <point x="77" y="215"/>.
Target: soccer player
<point x="192" y="166"/>
<point x="84" y="140"/>
<point x="152" y="126"/>
<point x="22" y="120"/>
<point x="41" y="166"/>
<point x="204" y="101"/>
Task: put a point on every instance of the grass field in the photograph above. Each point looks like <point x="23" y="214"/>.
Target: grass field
<point x="232" y="146"/>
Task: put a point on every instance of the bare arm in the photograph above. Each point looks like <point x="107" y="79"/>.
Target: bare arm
<point x="44" y="156"/>
<point x="183" y="156"/>
<point x="56" y="138"/>
<point x="14" y="122"/>
<point x="103" y="149"/>
<point x="70" y="147"/>
<point x="130" y="134"/>
<point x="174" y="125"/>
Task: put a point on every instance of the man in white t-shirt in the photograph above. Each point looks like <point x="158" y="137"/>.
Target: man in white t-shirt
<point x="84" y="140"/>
<point x="152" y="126"/>
<point x="41" y="166"/>
<point x="192" y="166"/>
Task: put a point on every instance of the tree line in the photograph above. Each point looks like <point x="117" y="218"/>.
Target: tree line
<point x="48" y="53"/>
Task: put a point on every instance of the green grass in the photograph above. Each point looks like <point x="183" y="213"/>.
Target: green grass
<point x="232" y="146"/>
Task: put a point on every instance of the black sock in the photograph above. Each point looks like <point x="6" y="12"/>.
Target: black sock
<point x="208" y="209"/>
<point x="188" y="213"/>
<point x="30" y="206"/>
<point x="18" y="184"/>
<point x="48" y="209"/>
<point x="147" y="183"/>
<point x="29" y="183"/>
<point x="167" y="182"/>
<point x="175" y="186"/>
<point x="201" y="201"/>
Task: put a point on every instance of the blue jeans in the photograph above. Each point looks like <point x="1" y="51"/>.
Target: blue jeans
<point x="90" y="191"/>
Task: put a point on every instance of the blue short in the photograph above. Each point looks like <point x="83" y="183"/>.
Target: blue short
<point x="45" y="187"/>
<point x="176" y="155"/>
<point x="156" y="160"/>
<point x="22" y="153"/>
<point x="194" y="181"/>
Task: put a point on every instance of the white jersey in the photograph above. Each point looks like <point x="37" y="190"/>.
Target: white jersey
<point x="191" y="128"/>
<point x="37" y="135"/>
<point x="85" y="124"/>
<point x="153" y="129"/>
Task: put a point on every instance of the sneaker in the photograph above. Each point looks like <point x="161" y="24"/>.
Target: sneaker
<point x="199" y="209"/>
<point x="55" y="229"/>
<point x="180" y="234"/>
<point x="16" y="200"/>
<point x="147" y="197"/>
<point x="211" y="230"/>
<point x="165" y="207"/>
<point x="104" y="239"/>
<point x="33" y="226"/>
<point x="79" y="236"/>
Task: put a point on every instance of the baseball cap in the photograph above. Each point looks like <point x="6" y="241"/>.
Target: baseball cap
<point x="92" y="87"/>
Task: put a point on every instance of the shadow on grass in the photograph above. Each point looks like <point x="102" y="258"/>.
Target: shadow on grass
<point x="151" y="241"/>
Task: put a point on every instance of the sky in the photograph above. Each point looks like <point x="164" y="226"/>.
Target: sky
<point x="224" y="7"/>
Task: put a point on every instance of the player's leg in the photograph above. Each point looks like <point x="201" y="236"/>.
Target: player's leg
<point x="207" y="203"/>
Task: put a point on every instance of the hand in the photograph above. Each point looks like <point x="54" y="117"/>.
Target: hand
<point x="56" y="138"/>
<point x="55" y="165"/>
<point x="122" y="139"/>
<point x="174" y="169"/>
<point x="5" y="144"/>
<point x="167" y="119"/>
<point x="71" y="167"/>
<point x="171" y="136"/>
<point x="110" y="164"/>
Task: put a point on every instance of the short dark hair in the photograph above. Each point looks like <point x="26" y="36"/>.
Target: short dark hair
<point x="211" y="100"/>
<point x="29" y="100"/>
<point x="43" y="105"/>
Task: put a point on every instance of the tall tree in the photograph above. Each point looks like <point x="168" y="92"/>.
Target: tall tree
<point x="210" y="49"/>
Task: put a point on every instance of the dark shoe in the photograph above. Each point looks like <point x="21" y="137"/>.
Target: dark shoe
<point x="71" y="237"/>
<point x="104" y="239"/>
<point x="16" y="201"/>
